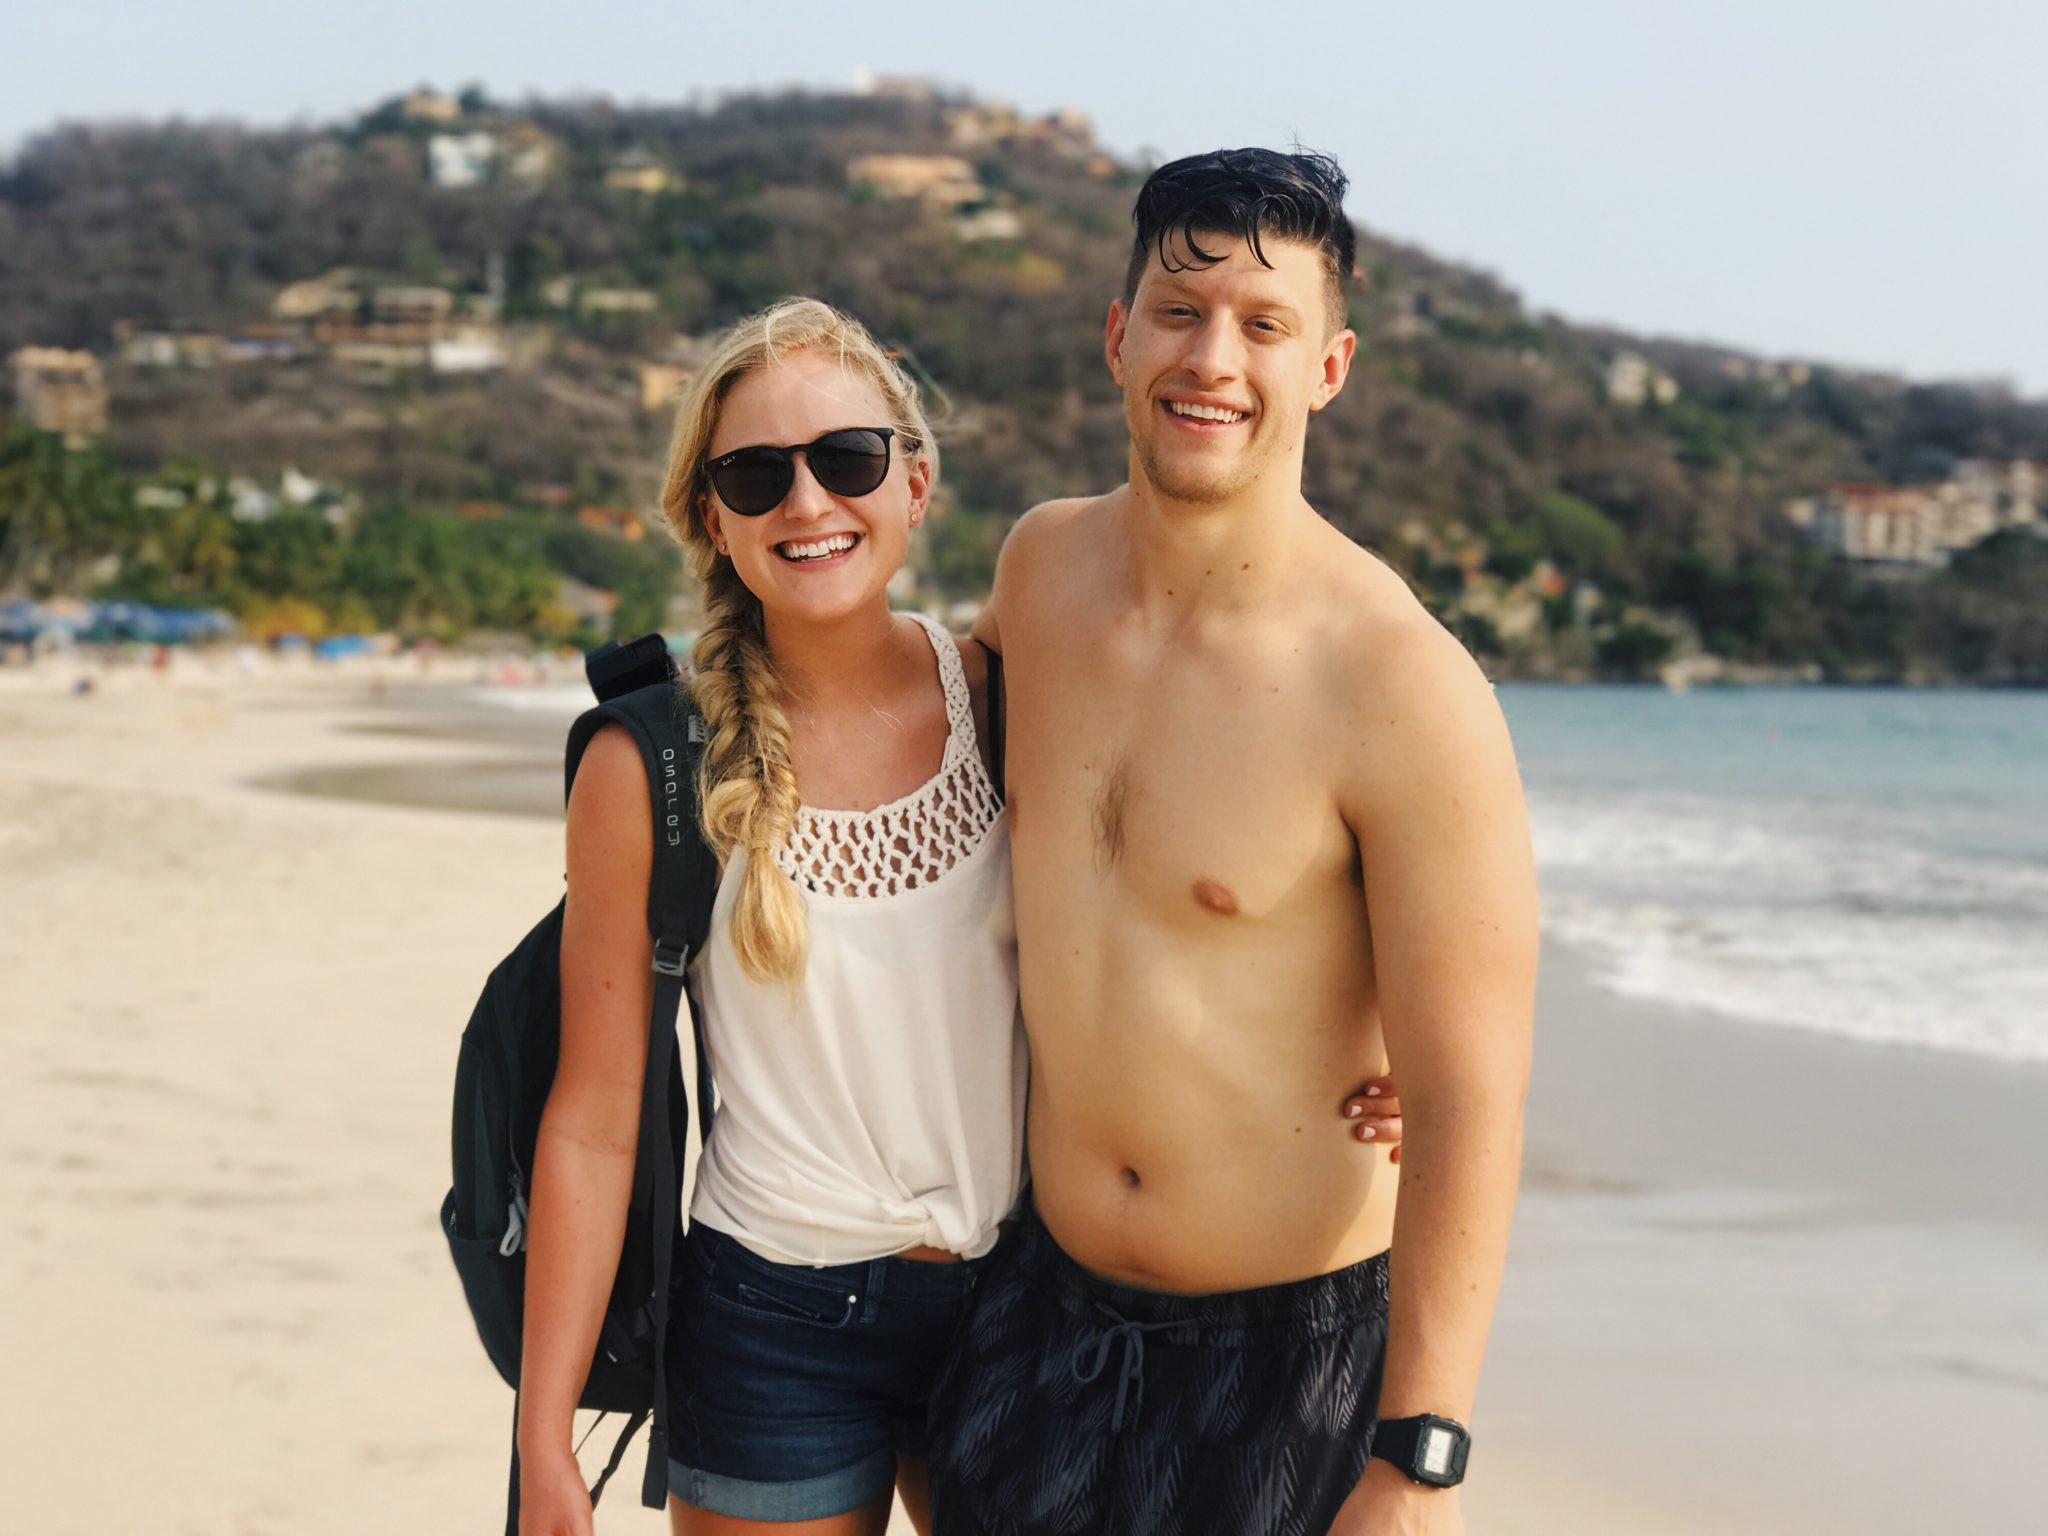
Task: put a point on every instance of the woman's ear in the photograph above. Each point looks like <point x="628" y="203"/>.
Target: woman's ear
<point x="707" y="509"/>
<point x="922" y="477"/>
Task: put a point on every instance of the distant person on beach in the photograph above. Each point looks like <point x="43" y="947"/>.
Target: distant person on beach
<point x="1268" y="835"/>
<point x="859" y="986"/>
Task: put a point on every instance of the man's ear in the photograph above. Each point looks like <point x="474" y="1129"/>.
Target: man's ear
<point x="1336" y="368"/>
<point x="1113" y="339"/>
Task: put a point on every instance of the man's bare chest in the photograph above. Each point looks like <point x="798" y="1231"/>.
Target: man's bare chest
<point x="1200" y="790"/>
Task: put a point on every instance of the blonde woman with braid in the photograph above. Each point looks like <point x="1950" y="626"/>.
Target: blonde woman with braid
<point x="859" y="985"/>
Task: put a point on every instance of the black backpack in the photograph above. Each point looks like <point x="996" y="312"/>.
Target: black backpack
<point x="507" y="1065"/>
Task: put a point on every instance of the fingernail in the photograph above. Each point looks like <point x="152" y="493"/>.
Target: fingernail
<point x="1372" y="1093"/>
<point x="1366" y="1133"/>
<point x="1353" y="1111"/>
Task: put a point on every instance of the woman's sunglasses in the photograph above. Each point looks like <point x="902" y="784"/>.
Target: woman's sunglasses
<point x="849" y="462"/>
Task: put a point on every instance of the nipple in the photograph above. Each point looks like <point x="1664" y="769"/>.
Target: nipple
<point x="1216" y="897"/>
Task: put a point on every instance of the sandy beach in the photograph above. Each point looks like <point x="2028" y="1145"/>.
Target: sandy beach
<point x="1760" y="1282"/>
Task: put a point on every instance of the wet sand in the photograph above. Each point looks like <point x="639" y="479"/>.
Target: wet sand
<point x="1751" y="1269"/>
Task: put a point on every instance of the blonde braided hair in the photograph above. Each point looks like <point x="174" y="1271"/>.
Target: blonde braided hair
<point x="746" y="788"/>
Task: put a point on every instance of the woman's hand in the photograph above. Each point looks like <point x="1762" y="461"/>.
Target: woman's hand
<point x="1374" y="1115"/>
<point x="552" y="1498"/>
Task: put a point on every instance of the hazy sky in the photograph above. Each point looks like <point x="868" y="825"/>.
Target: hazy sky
<point x="1856" y="180"/>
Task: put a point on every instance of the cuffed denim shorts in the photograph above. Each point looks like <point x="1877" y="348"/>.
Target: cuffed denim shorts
<point x="793" y="1388"/>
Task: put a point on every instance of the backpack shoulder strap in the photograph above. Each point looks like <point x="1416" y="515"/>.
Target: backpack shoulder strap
<point x="666" y="727"/>
<point x="997" y="715"/>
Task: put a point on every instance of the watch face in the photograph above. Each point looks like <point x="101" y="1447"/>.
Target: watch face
<point x="1433" y="1456"/>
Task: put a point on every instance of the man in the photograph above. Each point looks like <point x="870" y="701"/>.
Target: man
<point x="1268" y="838"/>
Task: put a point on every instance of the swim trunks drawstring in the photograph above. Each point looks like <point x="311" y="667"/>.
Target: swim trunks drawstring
<point x="1131" y="1373"/>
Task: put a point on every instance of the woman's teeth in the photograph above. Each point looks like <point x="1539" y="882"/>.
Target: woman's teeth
<point x="821" y="549"/>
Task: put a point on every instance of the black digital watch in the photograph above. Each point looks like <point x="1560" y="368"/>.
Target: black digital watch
<point x="1429" y="1449"/>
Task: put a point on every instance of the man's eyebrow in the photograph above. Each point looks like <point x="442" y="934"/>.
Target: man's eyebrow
<point x="1267" y="303"/>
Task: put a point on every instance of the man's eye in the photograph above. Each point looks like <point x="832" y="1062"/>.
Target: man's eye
<point x="1271" y="327"/>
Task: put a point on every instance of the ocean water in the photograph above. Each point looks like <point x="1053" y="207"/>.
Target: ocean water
<point x="1868" y="863"/>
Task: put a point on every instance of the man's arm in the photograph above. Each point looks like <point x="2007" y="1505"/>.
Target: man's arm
<point x="1436" y="806"/>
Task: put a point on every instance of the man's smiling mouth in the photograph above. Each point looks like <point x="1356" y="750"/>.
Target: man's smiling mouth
<point x="1221" y="414"/>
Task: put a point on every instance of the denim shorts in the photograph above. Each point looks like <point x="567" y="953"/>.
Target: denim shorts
<point x="793" y="1388"/>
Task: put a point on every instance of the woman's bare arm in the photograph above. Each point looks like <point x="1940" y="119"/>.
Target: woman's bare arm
<point x="583" y="1164"/>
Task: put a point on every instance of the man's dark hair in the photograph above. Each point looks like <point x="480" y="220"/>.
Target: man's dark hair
<point x="1244" y="194"/>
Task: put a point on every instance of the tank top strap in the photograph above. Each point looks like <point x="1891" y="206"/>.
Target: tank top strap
<point x="960" y="737"/>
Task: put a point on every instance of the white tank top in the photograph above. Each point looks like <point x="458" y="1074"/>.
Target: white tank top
<point x="882" y="1106"/>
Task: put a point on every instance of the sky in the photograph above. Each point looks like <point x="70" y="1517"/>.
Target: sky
<point x="1854" y="181"/>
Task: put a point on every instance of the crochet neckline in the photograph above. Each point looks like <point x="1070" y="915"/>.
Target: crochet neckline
<point x="914" y="840"/>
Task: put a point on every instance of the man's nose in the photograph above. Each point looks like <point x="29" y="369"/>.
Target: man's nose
<point x="807" y="500"/>
<point x="1215" y="352"/>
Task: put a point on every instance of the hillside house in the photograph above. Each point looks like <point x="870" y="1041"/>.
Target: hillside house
<point x="615" y="522"/>
<point x="615" y="301"/>
<point x="638" y="171"/>
<point x="1633" y="379"/>
<point x="60" y="392"/>
<point x="461" y="159"/>
<point x="332" y="293"/>
<point x="141" y="346"/>
<point x="468" y="348"/>
<point x="661" y="385"/>
<point x="430" y="107"/>
<point x="411" y="306"/>
<point x="1922" y="525"/>
<point x="989" y="224"/>
<point x="938" y="181"/>
<point x="529" y="152"/>
<point x="2012" y="490"/>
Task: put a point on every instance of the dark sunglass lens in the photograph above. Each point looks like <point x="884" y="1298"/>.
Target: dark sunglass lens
<point x="751" y="481"/>
<point x="850" y="463"/>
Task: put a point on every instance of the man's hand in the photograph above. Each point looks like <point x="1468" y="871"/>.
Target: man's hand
<point x="1387" y="1502"/>
<point x="1374" y="1115"/>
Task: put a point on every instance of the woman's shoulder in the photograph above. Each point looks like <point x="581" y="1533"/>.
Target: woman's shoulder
<point x="608" y="802"/>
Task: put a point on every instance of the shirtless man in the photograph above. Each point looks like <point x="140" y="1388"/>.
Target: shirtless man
<point x="1269" y="839"/>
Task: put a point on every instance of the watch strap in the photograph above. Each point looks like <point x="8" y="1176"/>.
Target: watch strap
<point x="1401" y="1442"/>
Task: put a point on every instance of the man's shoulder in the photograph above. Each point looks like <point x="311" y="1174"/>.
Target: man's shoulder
<point x="1054" y="522"/>
<point x="1394" y="655"/>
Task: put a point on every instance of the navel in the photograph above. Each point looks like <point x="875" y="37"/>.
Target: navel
<point x="1217" y="898"/>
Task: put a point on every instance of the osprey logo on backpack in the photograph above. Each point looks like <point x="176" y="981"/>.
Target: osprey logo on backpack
<point x="507" y="1065"/>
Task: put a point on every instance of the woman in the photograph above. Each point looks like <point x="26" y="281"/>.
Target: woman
<point x="859" y="984"/>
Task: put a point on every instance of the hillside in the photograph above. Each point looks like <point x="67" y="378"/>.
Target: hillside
<point x="1573" y="501"/>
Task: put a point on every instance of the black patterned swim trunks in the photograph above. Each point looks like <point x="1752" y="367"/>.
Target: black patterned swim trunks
<point x="1076" y="1407"/>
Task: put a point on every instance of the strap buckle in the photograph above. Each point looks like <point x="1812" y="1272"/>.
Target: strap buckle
<point x="671" y="959"/>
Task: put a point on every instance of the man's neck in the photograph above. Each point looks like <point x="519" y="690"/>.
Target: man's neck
<point x="1226" y="556"/>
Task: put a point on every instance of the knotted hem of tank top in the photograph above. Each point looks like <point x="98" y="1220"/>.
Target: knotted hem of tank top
<point x="773" y="1224"/>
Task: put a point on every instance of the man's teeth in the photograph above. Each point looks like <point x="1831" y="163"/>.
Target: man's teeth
<point x="1203" y="412"/>
<point x="837" y="544"/>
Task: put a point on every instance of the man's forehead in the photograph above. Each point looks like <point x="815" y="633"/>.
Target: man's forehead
<point x="1292" y="266"/>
